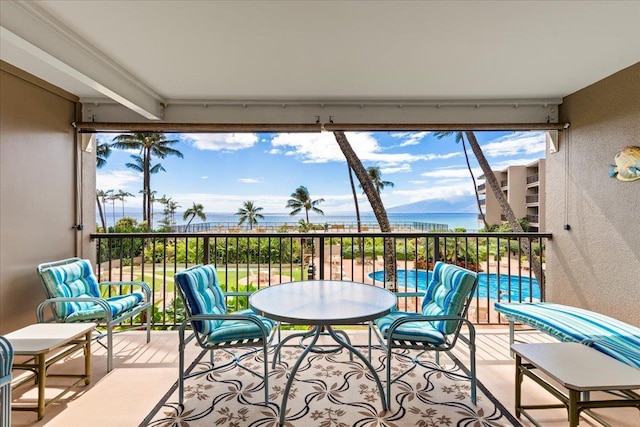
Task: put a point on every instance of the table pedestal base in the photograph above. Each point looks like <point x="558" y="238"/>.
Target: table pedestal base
<point x="340" y="338"/>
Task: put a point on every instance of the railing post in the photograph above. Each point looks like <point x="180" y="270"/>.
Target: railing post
<point x="320" y="268"/>
<point x="205" y="248"/>
<point x="436" y="249"/>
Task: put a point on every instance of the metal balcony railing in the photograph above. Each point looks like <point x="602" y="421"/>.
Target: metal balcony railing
<point x="249" y="261"/>
<point x="533" y="178"/>
<point x="534" y="198"/>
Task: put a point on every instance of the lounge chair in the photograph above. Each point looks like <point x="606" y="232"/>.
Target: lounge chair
<point x="214" y="328"/>
<point x="73" y="294"/>
<point x="437" y="328"/>
<point x="606" y="334"/>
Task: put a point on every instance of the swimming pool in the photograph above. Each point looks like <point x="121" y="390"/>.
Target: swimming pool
<point x="519" y="287"/>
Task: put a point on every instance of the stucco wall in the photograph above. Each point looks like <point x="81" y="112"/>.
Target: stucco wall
<point x="596" y="264"/>
<point x="38" y="189"/>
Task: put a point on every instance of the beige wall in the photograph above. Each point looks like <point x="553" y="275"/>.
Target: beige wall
<point x="37" y="189"/>
<point x="596" y="264"/>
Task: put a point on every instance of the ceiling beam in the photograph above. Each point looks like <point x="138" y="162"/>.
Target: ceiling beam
<point x="27" y="27"/>
<point x="93" y="127"/>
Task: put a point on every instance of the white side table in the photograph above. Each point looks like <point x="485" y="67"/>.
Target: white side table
<point x="38" y="341"/>
<point x="579" y="369"/>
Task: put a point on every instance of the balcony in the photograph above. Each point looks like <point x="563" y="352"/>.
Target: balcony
<point x="115" y="399"/>
<point x="533" y="198"/>
<point x="532" y="179"/>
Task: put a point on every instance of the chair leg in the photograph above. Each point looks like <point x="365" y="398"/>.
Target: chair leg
<point x="389" y="374"/>
<point x="266" y="371"/>
<point x="472" y="356"/>
<point x="181" y="346"/>
<point x="109" y="347"/>
<point x="149" y="321"/>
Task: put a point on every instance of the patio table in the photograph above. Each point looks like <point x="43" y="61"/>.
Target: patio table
<point x="323" y="303"/>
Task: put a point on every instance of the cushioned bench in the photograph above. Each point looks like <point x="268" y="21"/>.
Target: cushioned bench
<point x="606" y="334"/>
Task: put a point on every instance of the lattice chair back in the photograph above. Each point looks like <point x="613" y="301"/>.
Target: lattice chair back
<point x="449" y="293"/>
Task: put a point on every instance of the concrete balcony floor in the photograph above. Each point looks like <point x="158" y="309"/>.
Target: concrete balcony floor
<point x="143" y="373"/>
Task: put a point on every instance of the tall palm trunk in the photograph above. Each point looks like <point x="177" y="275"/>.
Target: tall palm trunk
<point x="146" y="191"/>
<point x="355" y="199"/>
<point x="536" y="265"/>
<point x="377" y="206"/>
<point x="355" y="202"/>
<point x="103" y="218"/>
<point x="475" y="186"/>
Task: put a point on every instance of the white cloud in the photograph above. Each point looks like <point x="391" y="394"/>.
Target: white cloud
<point x="118" y="179"/>
<point x="411" y="138"/>
<point x="516" y="144"/>
<point x="323" y="148"/>
<point x="451" y="173"/>
<point x="221" y="141"/>
<point x="401" y="168"/>
<point x="250" y="180"/>
<point x="204" y="177"/>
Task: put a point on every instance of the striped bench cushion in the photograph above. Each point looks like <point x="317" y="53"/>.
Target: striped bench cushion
<point x="606" y="334"/>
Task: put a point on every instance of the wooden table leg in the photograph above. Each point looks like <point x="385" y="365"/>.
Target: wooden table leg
<point x="573" y="408"/>
<point x="87" y="359"/>
<point x="518" y="385"/>
<point x="41" y="375"/>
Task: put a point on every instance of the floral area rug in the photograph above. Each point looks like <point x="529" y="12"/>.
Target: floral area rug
<point x="329" y="391"/>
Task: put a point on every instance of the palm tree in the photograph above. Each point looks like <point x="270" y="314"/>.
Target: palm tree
<point x="373" y="194"/>
<point x="103" y="151"/>
<point x="139" y="166"/>
<point x="301" y="199"/>
<point x="505" y="207"/>
<point x="122" y="195"/>
<point x="249" y="213"/>
<point x="150" y="144"/>
<point x="102" y="197"/>
<point x="376" y="178"/>
<point x="195" y="210"/>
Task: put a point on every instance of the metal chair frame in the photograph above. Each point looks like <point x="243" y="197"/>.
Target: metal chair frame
<point x="389" y="344"/>
<point x="108" y="321"/>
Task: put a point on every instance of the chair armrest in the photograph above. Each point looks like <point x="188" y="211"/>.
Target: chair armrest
<point x="249" y="317"/>
<point x="143" y="285"/>
<point x="51" y="301"/>
<point x="423" y="318"/>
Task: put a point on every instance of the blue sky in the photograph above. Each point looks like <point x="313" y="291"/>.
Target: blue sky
<point x="221" y="171"/>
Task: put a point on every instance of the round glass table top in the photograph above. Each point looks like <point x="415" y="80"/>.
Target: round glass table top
<point x="322" y="302"/>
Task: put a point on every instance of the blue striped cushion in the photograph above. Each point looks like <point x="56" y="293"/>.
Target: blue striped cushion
<point x="606" y="334"/>
<point x="418" y="331"/>
<point x="76" y="279"/>
<point x="238" y="330"/>
<point x="447" y="294"/>
<point x="200" y="287"/>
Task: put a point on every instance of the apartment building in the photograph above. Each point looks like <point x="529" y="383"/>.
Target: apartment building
<point x="524" y="187"/>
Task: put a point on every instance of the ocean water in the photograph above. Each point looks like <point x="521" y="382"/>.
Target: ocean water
<point x="469" y="221"/>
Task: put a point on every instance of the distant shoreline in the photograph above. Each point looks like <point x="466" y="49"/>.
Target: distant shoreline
<point x="453" y="220"/>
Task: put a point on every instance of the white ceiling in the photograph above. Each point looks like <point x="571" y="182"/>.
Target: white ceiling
<point x="145" y="54"/>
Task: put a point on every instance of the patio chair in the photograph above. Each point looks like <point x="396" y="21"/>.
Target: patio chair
<point x="437" y="328"/>
<point x="6" y="362"/>
<point x="214" y="328"/>
<point x="74" y="295"/>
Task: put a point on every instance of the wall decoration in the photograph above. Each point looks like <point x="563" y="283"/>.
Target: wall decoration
<point x="627" y="167"/>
